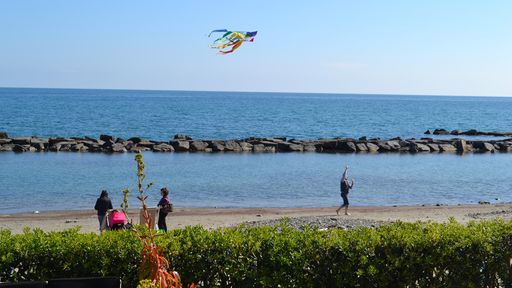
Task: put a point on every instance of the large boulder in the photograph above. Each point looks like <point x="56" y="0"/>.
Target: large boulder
<point x="232" y="146"/>
<point x="290" y="147"/>
<point x="461" y="145"/>
<point x="180" y="145"/>
<point x="118" y="148"/>
<point x="106" y="138"/>
<point x="394" y="145"/>
<point x="434" y="147"/>
<point x="182" y="137"/>
<point x="20" y="148"/>
<point x="258" y="148"/>
<point x="329" y="144"/>
<point x="361" y="147"/>
<point x="441" y="132"/>
<point x="5" y="141"/>
<point x="6" y="147"/>
<point x="198" y="145"/>
<point x="472" y="132"/>
<point x="418" y="147"/>
<point x="22" y="140"/>
<point x="483" y="146"/>
<point x="216" y="146"/>
<point x="383" y="147"/>
<point x="245" y="146"/>
<point x="163" y="147"/>
<point x="372" y="147"/>
<point x="3" y="135"/>
<point x="346" y="146"/>
<point x="447" y="148"/>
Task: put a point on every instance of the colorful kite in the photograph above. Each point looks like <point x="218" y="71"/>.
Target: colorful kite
<point x="233" y="39"/>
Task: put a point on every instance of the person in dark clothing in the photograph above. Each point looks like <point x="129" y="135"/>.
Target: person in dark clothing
<point x="345" y="189"/>
<point x="161" y="215"/>
<point x="102" y="205"/>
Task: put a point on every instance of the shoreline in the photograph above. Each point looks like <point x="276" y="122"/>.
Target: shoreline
<point x="212" y="218"/>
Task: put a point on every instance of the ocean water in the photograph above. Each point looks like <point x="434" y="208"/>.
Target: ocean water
<point x="62" y="181"/>
<point x="159" y="115"/>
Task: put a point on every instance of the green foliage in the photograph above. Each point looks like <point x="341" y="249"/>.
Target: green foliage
<point x="398" y="255"/>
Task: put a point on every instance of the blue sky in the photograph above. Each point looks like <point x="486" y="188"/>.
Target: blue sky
<point x="436" y="47"/>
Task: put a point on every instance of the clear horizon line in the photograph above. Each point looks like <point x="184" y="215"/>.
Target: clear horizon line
<point x="237" y="91"/>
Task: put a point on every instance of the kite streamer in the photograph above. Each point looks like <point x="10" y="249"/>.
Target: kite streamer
<point x="231" y="40"/>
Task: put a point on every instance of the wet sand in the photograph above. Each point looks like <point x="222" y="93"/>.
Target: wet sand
<point x="211" y="218"/>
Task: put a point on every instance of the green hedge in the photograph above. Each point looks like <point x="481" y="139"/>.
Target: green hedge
<point x="398" y="255"/>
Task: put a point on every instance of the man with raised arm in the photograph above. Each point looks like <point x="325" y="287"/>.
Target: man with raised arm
<point x="345" y="189"/>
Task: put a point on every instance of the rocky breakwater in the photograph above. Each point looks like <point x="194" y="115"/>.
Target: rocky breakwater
<point x="183" y="143"/>
<point x="471" y="132"/>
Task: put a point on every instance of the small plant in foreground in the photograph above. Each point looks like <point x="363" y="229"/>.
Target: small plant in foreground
<point x="154" y="266"/>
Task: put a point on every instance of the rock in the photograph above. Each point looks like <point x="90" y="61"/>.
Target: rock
<point x="53" y="141"/>
<point x="309" y="148"/>
<point x="182" y="137"/>
<point x="428" y="132"/>
<point x="433" y="147"/>
<point x="383" y="147"/>
<point x="3" y="135"/>
<point x="290" y="147"/>
<point x="483" y="146"/>
<point x="270" y="149"/>
<point x="180" y="145"/>
<point x="484" y="202"/>
<point x="232" y="146"/>
<point x="455" y="132"/>
<point x="461" y="146"/>
<point x="20" y="148"/>
<point x="216" y="146"/>
<point x="258" y="148"/>
<point x="107" y="138"/>
<point x="163" y="147"/>
<point x="372" y="147"/>
<point x="441" y="132"/>
<point x="447" y="148"/>
<point x="329" y="145"/>
<point x="346" y="146"/>
<point x="418" y="147"/>
<point x="5" y="141"/>
<point x="505" y="146"/>
<point x="6" y="147"/>
<point x="79" y="147"/>
<point x="245" y="146"/>
<point x="198" y="145"/>
<point x="21" y="140"/>
<point x="135" y="140"/>
<point x="471" y="132"/>
<point x="394" y="145"/>
<point x="146" y="143"/>
<point x="361" y="147"/>
<point x="118" y="148"/>
<point x="363" y="138"/>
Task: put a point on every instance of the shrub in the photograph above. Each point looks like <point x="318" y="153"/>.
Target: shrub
<point x="397" y="255"/>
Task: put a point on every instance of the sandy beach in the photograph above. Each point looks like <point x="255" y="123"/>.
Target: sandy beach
<point x="211" y="218"/>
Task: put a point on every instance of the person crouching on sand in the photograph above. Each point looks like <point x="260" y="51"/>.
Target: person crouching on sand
<point x="344" y="189"/>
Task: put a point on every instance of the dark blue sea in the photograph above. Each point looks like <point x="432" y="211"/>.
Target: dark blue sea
<point x="58" y="181"/>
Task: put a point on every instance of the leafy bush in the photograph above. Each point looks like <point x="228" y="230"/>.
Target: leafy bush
<point x="397" y="255"/>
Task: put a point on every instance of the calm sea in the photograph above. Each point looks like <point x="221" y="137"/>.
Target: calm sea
<point x="56" y="181"/>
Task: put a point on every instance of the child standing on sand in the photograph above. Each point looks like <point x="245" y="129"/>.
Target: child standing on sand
<point x="344" y="189"/>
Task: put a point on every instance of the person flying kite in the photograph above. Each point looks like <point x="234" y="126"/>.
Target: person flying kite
<point x="233" y="39"/>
